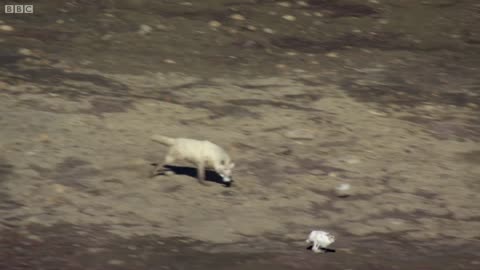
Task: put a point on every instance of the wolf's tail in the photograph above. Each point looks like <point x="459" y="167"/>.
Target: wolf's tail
<point x="163" y="140"/>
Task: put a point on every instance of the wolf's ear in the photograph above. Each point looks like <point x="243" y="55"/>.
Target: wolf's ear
<point x="232" y="165"/>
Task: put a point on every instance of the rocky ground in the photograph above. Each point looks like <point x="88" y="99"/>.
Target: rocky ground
<point x="305" y="95"/>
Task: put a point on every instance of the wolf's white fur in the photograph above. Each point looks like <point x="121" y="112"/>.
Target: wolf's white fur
<point x="203" y="154"/>
<point x="320" y="239"/>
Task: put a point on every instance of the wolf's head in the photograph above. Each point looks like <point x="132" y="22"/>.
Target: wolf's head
<point x="224" y="168"/>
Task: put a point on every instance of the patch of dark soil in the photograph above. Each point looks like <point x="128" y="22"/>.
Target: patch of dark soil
<point x="173" y="189"/>
<point x="73" y="247"/>
<point x="266" y="170"/>
<point x="6" y="170"/>
<point x="305" y="97"/>
<point x="260" y="102"/>
<point x="306" y="165"/>
<point x="446" y="130"/>
<point x="109" y="105"/>
<point x="75" y="173"/>
<point x="10" y="59"/>
<point x="342" y="8"/>
<point x="220" y="111"/>
<point x="259" y="87"/>
<point x="380" y="40"/>
<point x="42" y="34"/>
<point x="472" y="156"/>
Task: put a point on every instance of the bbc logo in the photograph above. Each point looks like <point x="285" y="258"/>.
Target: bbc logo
<point x="18" y="9"/>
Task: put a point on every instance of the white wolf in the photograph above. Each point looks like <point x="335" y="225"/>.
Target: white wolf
<point x="320" y="239"/>
<point x="203" y="154"/>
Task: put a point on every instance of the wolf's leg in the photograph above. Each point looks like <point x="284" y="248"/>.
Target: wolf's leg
<point x="160" y="168"/>
<point x="201" y="173"/>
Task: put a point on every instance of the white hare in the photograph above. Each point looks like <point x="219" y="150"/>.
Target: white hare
<point x="320" y="239"/>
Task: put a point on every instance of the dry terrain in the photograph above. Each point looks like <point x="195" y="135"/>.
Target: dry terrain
<point x="305" y="95"/>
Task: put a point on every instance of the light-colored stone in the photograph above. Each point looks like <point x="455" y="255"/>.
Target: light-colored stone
<point x="214" y="24"/>
<point x="6" y="28"/>
<point x="300" y="134"/>
<point x="343" y="190"/>
<point x="289" y="18"/>
<point x="237" y="17"/>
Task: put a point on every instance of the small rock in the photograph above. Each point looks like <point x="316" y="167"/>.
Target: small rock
<point x="214" y="24"/>
<point x="284" y="4"/>
<point x="251" y="28"/>
<point x="281" y="66"/>
<point x="237" y="17"/>
<point x="34" y="238"/>
<point x="300" y="134"/>
<point x="60" y="21"/>
<point x="352" y="161"/>
<point x="6" y="28"/>
<point x="318" y="14"/>
<point x="268" y="30"/>
<point x="169" y="61"/>
<point x="43" y="138"/>
<point x="376" y="113"/>
<point x="161" y="27"/>
<point x="292" y="53"/>
<point x="332" y="55"/>
<point x="302" y="3"/>
<point x="289" y="18"/>
<point x="316" y="172"/>
<point x="332" y="174"/>
<point x="145" y="29"/>
<point x="383" y="21"/>
<point x="116" y="262"/>
<point x="343" y="190"/>
<point x="106" y="37"/>
<point x="59" y="188"/>
<point x="95" y="250"/>
<point x="25" y="52"/>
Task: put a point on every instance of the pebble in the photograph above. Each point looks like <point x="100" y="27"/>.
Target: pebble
<point x="268" y="30"/>
<point x="145" y="29"/>
<point x="281" y="66"/>
<point x="34" y="238"/>
<point x="116" y="262"/>
<point x="332" y="55"/>
<point x="161" y="27"/>
<point x="318" y="14"/>
<point x="289" y="18"/>
<point x="251" y="28"/>
<point x="214" y="24"/>
<point x="352" y="161"/>
<point x="284" y="4"/>
<point x="43" y="138"/>
<point x="169" y="61"/>
<point x="59" y="188"/>
<point x="343" y="190"/>
<point x="60" y="21"/>
<point x="383" y="21"/>
<point x="6" y="28"/>
<point x="106" y="37"/>
<point x="24" y="51"/>
<point x="302" y="3"/>
<point x="300" y="134"/>
<point x="237" y="17"/>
